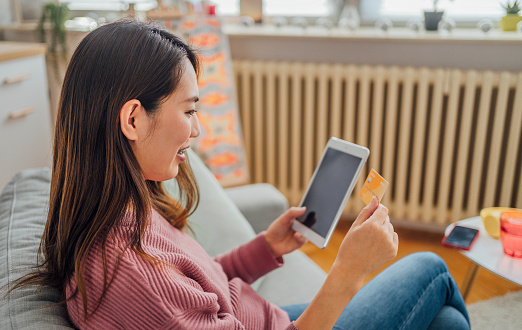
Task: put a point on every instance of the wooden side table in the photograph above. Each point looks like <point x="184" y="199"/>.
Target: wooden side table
<point x="487" y="252"/>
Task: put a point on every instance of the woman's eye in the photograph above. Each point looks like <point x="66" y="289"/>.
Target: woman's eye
<point x="191" y="112"/>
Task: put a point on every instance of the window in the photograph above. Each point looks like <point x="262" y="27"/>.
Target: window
<point x="227" y="7"/>
<point x="462" y="11"/>
<point x="277" y="7"/>
<point x="295" y="7"/>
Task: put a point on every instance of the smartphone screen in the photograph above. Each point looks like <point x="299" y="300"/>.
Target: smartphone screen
<point x="461" y="237"/>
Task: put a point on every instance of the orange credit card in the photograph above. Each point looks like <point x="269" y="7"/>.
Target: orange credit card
<point x="375" y="185"/>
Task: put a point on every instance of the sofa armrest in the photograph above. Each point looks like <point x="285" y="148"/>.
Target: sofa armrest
<point x="260" y="203"/>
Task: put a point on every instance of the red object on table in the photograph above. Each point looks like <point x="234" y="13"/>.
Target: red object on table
<point x="511" y="233"/>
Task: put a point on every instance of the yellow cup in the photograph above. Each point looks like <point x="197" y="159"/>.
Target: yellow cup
<point x="491" y="219"/>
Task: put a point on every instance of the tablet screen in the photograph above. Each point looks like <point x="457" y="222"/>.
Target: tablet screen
<point x="328" y="189"/>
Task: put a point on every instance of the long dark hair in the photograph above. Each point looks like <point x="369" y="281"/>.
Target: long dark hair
<point x="96" y="177"/>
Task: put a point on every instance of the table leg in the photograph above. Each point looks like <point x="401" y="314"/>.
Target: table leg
<point x="469" y="279"/>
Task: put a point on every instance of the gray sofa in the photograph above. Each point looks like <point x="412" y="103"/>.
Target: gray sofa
<point x="218" y="225"/>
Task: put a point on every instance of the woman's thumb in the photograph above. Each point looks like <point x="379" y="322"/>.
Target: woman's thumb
<point x="293" y="213"/>
<point x="367" y="211"/>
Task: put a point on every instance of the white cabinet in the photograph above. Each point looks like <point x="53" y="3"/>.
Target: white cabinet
<point x="25" y="118"/>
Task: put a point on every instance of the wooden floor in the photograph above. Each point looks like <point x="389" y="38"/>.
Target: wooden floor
<point x="486" y="285"/>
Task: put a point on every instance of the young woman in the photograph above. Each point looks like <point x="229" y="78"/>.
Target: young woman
<point x="115" y="242"/>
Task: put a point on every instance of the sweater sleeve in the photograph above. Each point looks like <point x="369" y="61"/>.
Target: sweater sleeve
<point x="249" y="261"/>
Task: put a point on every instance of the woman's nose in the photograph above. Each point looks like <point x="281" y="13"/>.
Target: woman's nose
<point x="195" y="129"/>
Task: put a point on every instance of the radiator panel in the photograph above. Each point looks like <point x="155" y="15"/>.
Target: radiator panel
<point x="449" y="141"/>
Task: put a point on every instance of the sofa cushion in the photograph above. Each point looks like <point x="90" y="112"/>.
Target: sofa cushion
<point x="23" y="213"/>
<point x="296" y="283"/>
<point x="217" y="223"/>
<point x="260" y="203"/>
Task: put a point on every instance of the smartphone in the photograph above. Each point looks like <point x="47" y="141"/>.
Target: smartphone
<point x="461" y="238"/>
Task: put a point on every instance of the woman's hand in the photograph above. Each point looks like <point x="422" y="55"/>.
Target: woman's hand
<point x="280" y="236"/>
<point x="370" y="242"/>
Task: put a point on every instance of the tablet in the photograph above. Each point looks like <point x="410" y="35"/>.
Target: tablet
<point x="332" y="183"/>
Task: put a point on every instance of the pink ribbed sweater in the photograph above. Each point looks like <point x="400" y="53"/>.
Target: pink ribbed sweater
<point x="203" y="293"/>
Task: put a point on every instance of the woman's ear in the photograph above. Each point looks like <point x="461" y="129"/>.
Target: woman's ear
<point x="130" y="118"/>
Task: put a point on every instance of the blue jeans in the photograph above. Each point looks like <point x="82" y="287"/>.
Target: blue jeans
<point x="416" y="292"/>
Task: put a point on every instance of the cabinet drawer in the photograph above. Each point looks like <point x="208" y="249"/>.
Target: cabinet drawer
<point x="22" y="84"/>
<point x="25" y="119"/>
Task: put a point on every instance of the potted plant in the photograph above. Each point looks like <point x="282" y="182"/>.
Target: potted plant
<point x="510" y="20"/>
<point x="55" y="15"/>
<point x="432" y="18"/>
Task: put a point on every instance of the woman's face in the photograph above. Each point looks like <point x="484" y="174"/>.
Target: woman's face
<point x="170" y="130"/>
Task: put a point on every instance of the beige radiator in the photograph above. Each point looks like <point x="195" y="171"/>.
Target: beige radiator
<point x="448" y="141"/>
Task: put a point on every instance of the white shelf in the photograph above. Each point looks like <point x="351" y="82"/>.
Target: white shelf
<point x="367" y="33"/>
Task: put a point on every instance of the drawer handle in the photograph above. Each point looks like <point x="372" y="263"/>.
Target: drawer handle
<point x="15" y="80"/>
<point x="21" y="113"/>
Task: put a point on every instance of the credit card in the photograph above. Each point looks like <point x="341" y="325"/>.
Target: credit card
<point x="375" y="185"/>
